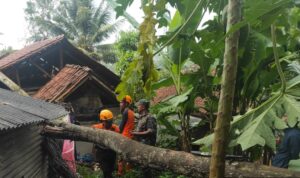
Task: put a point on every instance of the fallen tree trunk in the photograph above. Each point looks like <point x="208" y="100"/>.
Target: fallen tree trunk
<point x="159" y="158"/>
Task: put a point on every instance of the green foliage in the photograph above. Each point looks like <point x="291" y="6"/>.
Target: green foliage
<point x="134" y="173"/>
<point x="79" y="20"/>
<point x="125" y="48"/>
<point x="294" y="165"/>
<point x="261" y="13"/>
<point x="131" y="83"/>
<point x="257" y="83"/>
<point x="87" y="172"/>
<point x="129" y="18"/>
<point x="141" y="71"/>
<point x="257" y="125"/>
<point x="170" y="175"/>
<point x="122" y="5"/>
<point x="255" y="80"/>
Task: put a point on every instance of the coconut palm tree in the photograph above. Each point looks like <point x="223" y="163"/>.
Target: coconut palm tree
<point x="79" y="20"/>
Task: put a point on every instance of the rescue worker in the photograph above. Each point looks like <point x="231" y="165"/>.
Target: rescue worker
<point x="105" y="156"/>
<point x="127" y="123"/>
<point x="146" y="126"/>
<point x="126" y="127"/>
<point x="146" y="129"/>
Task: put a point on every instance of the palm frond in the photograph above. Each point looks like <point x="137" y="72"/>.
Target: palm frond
<point x="66" y="25"/>
<point x="104" y="17"/>
<point x="105" y="31"/>
<point x="72" y="9"/>
<point x="98" y="10"/>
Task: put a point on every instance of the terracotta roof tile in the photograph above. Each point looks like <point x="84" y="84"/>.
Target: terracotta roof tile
<point x="36" y="47"/>
<point x="167" y="92"/>
<point x="63" y="83"/>
<point x="164" y="93"/>
<point x="39" y="48"/>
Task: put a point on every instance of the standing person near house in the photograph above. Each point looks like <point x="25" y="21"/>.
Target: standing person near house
<point x="146" y="129"/>
<point x="126" y="127"/>
<point x="127" y="123"/>
<point x="146" y="126"/>
<point x="105" y="156"/>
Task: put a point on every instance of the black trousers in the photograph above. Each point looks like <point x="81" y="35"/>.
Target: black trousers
<point x="107" y="160"/>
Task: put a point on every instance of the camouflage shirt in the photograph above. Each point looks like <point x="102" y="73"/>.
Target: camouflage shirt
<point x="146" y="122"/>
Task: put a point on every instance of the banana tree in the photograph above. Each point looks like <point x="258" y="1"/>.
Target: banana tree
<point x="256" y="126"/>
<point x="181" y="104"/>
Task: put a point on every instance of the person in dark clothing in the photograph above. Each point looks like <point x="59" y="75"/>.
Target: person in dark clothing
<point x="107" y="159"/>
<point x="289" y="148"/>
<point x="146" y="130"/>
<point x="105" y="156"/>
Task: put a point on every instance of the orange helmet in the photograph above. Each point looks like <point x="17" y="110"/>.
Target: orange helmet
<point x="127" y="99"/>
<point x="105" y="115"/>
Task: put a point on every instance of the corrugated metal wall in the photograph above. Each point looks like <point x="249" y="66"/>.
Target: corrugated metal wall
<point x="21" y="153"/>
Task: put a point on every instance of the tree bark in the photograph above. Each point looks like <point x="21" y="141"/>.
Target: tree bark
<point x="217" y="166"/>
<point x="159" y="158"/>
<point x="185" y="137"/>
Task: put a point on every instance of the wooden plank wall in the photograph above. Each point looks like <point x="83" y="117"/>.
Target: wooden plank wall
<point x="21" y="153"/>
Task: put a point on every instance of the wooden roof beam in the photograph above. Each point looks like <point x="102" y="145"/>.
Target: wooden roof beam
<point x="40" y="68"/>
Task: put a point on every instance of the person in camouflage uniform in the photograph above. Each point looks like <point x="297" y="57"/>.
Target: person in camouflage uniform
<point x="146" y="126"/>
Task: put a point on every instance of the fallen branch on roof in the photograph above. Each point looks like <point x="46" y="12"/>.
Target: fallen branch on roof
<point x="12" y="85"/>
<point x="159" y="158"/>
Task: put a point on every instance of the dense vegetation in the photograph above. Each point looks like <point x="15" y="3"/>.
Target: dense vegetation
<point x="265" y="81"/>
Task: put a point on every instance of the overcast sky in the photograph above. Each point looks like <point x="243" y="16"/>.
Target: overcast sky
<point x="14" y="27"/>
<point x="12" y="23"/>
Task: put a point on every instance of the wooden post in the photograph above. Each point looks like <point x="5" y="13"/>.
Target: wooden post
<point x="17" y="76"/>
<point x="61" y="57"/>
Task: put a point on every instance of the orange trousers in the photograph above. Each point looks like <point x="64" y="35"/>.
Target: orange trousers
<point x="123" y="167"/>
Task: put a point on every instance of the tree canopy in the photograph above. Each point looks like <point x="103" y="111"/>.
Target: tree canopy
<point x="267" y="83"/>
<point x="82" y="22"/>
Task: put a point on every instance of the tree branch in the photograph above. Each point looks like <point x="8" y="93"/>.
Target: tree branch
<point x="159" y="158"/>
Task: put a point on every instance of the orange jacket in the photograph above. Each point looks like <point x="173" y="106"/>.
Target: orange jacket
<point x="114" y="127"/>
<point x="127" y="123"/>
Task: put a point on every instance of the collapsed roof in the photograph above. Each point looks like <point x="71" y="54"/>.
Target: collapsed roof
<point x="36" y="64"/>
<point x="70" y="78"/>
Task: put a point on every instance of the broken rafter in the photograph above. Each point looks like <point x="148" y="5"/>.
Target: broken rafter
<point x="11" y="84"/>
<point x="61" y="57"/>
<point x="40" y="68"/>
<point x="17" y="75"/>
<point x="103" y="85"/>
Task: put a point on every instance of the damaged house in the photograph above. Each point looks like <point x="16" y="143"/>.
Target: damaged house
<point x="80" y="87"/>
<point x="21" y="151"/>
<point x="56" y="71"/>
